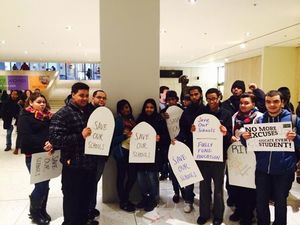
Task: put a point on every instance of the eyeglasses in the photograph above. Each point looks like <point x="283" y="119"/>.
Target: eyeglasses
<point x="211" y="99"/>
<point x="100" y="97"/>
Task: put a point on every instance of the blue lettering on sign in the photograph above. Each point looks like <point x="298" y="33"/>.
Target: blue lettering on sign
<point x="178" y="159"/>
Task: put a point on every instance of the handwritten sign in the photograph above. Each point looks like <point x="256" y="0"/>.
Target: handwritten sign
<point x="207" y="139"/>
<point x="102" y="124"/>
<point x="45" y="166"/>
<point x="241" y="166"/>
<point x="173" y="121"/>
<point x="183" y="164"/>
<point x="142" y="144"/>
<point x="269" y="137"/>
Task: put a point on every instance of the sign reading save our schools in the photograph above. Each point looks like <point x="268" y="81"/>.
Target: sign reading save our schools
<point x="45" y="166"/>
<point x="241" y="166"/>
<point x="142" y="144"/>
<point x="269" y="137"/>
<point x="173" y="121"/>
<point x="207" y="139"/>
<point x="183" y="164"/>
<point x="102" y="124"/>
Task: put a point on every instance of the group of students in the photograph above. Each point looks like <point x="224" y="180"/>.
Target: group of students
<point x="67" y="130"/>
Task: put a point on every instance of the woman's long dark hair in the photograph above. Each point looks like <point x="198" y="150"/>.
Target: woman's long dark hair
<point x="143" y="116"/>
<point x="120" y="106"/>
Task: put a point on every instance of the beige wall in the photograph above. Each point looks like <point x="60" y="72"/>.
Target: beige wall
<point x="298" y="73"/>
<point x="248" y="70"/>
<point x="280" y="69"/>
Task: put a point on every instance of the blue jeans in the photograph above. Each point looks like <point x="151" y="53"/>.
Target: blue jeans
<point x="277" y="187"/>
<point x="8" y="135"/>
<point x="148" y="183"/>
<point x="41" y="188"/>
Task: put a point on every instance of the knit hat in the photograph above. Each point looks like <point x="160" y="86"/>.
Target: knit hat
<point x="171" y="94"/>
<point x="187" y="97"/>
<point x="239" y="84"/>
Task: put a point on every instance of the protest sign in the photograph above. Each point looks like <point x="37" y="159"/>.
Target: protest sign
<point x="241" y="166"/>
<point x="45" y="166"/>
<point x="183" y="164"/>
<point x="173" y="120"/>
<point x="142" y="144"/>
<point x="207" y="139"/>
<point x="102" y="124"/>
<point x="269" y="137"/>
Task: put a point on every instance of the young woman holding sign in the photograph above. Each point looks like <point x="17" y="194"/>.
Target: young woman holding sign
<point x="148" y="172"/>
<point x="245" y="201"/>
<point x="124" y="124"/>
<point x="33" y="130"/>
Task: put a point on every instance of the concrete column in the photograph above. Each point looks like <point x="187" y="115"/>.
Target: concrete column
<point x="129" y="40"/>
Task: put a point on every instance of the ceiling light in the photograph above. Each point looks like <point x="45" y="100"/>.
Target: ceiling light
<point x="192" y="1"/>
<point x="243" y="45"/>
<point x="226" y="60"/>
<point x="25" y="52"/>
<point x="248" y="34"/>
<point x="79" y="44"/>
<point x="2" y="42"/>
<point x="68" y="28"/>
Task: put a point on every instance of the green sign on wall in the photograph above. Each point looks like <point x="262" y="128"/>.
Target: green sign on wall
<point x="3" y="82"/>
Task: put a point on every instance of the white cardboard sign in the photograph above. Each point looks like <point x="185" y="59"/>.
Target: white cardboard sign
<point x="269" y="137"/>
<point x="207" y="139"/>
<point x="142" y="144"/>
<point x="183" y="164"/>
<point x="102" y="124"/>
<point x="173" y="121"/>
<point x="45" y="166"/>
<point x="241" y="166"/>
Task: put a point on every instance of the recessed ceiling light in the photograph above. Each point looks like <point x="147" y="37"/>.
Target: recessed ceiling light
<point x="68" y="28"/>
<point x="79" y="44"/>
<point x="248" y="34"/>
<point x="3" y="42"/>
<point x="25" y="52"/>
<point x="192" y="1"/>
<point x="243" y="45"/>
<point x="226" y="60"/>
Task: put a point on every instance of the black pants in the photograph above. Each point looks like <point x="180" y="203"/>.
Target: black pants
<point x="76" y="186"/>
<point x="126" y="177"/>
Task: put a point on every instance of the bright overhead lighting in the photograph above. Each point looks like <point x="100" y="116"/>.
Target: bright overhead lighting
<point x="68" y="28"/>
<point x="226" y="60"/>
<point x="248" y="34"/>
<point x="79" y="44"/>
<point x="192" y="1"/>
<point x="25" y="52"/>
<point x="243" y="45"/>
<point x="2" y="42"/>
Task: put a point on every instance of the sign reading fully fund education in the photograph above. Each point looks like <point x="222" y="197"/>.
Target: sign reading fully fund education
<point x="173" y="121"/>
<point x="142" y="144"/>
<point x="269" y="137"/>
<point x="183" y="164"/>
<point x="45" y="166"/>
<point x="241" y="166"/>
<point x="207" y="139"/>
<point x="102" y="124"/>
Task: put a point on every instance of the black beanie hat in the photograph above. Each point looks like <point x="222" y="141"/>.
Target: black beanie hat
<point x="239" y="84"/>
<point x="171" y="94"/>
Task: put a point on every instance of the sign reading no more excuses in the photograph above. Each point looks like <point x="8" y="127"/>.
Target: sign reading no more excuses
<point x="102" y="124"/>
<point x="142" y="144"/>
<point x="207" y="139"/>
<point x="183" y="164"/>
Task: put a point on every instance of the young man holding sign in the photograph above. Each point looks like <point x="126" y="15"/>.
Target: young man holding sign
<point x="98" y="99"/>
<point x="275" y="171"/>
<point x="212" y="170"/>
<point x="185" y="135"/>
<point x="68" y="132"/>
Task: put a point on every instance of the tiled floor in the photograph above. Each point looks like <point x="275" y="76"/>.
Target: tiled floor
<point x="15" y="188"/>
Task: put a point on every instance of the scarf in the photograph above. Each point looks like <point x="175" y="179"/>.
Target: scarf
<point x="244" y="118"/>
<point x="45" y="115"/>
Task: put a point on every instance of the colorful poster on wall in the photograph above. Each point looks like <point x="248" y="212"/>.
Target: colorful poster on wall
<point x="38" y="81"/>
<point x="17" y="82"/>
<point x="3" y="82"/>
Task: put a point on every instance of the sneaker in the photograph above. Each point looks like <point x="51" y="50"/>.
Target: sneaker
<point x="201" y="220"/>
<point x="8" y="148"/>
<point x="188" y="207"/>
<point x="234" y="217"/>
<point x="127" y="207"/>
<point x="217" y="222"/>
<point x="176" y="198"/>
